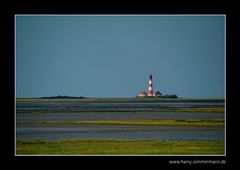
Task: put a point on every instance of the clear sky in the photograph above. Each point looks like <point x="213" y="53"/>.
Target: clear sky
<point x="112" y="56"/>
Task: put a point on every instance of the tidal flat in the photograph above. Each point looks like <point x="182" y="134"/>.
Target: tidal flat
<point x="56" y="123"/>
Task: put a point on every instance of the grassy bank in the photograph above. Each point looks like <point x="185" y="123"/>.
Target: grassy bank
<point x="102" y="146"/>
<point x="203" y="123"/>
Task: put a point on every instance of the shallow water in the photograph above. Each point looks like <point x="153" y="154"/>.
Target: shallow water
<point x="116" y="106"/>
<point x="122" y="132"/>
<point x="73" y="111"/>
<point x="117" y="116"/>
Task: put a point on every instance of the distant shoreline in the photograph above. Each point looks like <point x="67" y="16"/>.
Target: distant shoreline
<point x="130" y="99"/>
<point x="62" y="97"/>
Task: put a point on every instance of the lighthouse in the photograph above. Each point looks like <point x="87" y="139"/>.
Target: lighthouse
<point x="150" y="86"/>
<point x="158" y="94"/>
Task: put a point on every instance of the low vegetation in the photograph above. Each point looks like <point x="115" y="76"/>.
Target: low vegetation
<point x="116" y="147"/>
<point x="189" y="122"/>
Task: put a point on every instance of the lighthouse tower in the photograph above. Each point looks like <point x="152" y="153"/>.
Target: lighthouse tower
<point x="150" y="86"/>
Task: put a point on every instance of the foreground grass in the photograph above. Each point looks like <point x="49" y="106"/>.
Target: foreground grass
<point x="108" y="146"/>
<point x="198" y="109"/>
<point x="202" y="123"/>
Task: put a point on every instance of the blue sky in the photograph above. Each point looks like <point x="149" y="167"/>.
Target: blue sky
<point x="112" y="56"/>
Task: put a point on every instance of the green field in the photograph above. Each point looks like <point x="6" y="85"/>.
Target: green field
<point x="203" y="123"/>
<point x="115" y="147"/>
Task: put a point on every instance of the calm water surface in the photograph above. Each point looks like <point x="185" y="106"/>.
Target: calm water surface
<point x="70" y="111"/>
<point x="122" y="132"/>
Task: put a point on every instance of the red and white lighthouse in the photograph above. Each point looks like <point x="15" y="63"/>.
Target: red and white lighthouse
<point x="150" y="86"/>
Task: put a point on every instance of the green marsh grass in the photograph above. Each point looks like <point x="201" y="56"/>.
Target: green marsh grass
<point x="108" y="146"/>
<point x="203" y="123"/>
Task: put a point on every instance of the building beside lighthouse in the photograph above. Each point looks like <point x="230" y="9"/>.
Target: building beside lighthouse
<point x="143" y="94"/>
<point x="158" y="93"/>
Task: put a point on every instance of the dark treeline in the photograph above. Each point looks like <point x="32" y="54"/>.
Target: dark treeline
<point x="62" y="97"/>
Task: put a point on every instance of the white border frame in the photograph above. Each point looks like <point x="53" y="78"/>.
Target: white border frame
<point x="157" y="15"/>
